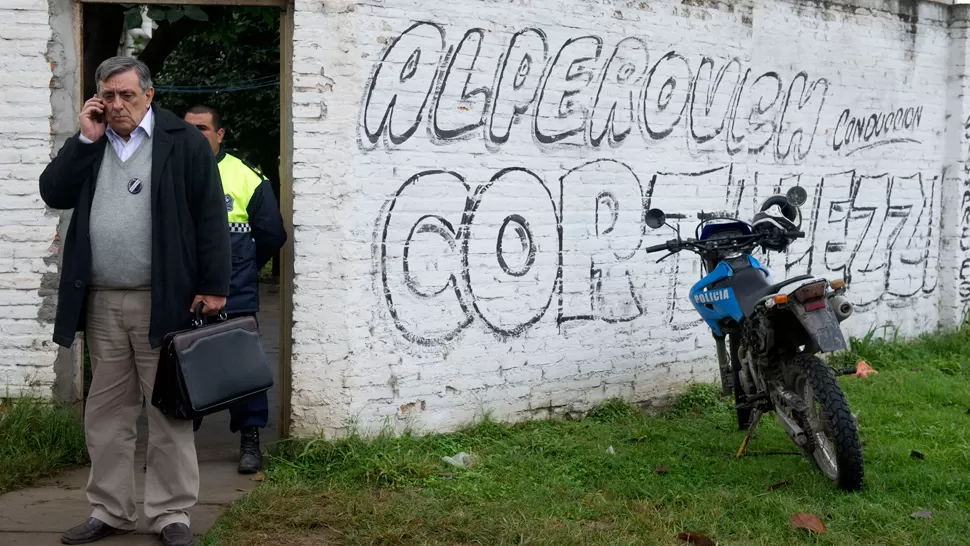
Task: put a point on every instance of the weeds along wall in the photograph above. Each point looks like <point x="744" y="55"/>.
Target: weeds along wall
<point x="471" y="179"/>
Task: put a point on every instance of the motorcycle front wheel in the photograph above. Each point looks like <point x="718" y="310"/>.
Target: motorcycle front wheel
<point x="837" y="450"/>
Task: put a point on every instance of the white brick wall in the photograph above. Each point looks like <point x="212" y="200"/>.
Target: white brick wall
<point x="955" y="243"/>
<point x="26" y="230"/>
<point x="561" y="120"/>
<point x="416" y="124"/>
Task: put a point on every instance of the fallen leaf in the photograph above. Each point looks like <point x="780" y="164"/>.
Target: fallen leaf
<point x="696" y="538"/>
<point x="916" y="454"/>
<point x="864" y="370"/>
<point x="258" y="477"/>
<point x="925" y="514"/>
<point x="660" y="469"/>
<point x="241" y="490"/>
<point x="777" y="486"/>
<point x="809" y="522"/>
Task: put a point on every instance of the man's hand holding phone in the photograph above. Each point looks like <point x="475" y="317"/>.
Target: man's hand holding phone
<point x="92" y="119"/>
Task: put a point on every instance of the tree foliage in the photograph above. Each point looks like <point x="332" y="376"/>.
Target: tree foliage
<point x="239" y="48"/>
<point x="205" y="47"/>
<point x="172" y="14"/>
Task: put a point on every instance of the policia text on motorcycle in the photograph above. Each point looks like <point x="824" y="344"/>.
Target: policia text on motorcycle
<point x="257" y="234"/>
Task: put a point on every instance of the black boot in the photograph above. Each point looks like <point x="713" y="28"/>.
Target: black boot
<point x="250" y="458"/>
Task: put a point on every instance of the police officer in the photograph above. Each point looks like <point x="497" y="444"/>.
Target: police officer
<point x="257" y="234"/>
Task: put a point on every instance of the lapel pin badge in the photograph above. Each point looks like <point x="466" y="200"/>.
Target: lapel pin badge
<point x="134" y="186"/>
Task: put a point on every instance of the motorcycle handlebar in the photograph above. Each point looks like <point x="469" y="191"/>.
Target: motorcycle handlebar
<point x="674" y="244"/>
<point x="657" y="248"/>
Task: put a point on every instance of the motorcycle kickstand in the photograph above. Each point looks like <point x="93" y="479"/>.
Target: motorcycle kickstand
<point x="755" y="420"/>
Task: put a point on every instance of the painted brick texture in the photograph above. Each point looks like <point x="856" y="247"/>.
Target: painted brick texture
<point x="470" y="181"/>
<point x="27" y="259"/>
<point x="472" y="176"/>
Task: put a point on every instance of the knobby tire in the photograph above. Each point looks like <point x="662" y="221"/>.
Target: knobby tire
<point x="835" y="409"/>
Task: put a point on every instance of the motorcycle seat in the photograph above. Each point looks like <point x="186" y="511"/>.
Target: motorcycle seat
<point x="750" y="287"/>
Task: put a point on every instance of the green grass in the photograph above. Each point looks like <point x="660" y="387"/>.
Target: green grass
<point x="37" y="439"/>
<point x="554" y="482"/>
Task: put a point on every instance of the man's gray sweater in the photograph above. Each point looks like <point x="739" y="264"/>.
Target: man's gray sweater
<point x="121" y="221"/>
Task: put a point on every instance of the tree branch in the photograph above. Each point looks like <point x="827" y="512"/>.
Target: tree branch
<point x="102" y="31"/>
<point x="164" y="41"/>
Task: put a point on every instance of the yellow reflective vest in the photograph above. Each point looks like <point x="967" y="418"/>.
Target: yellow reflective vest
<point x="239" y="183"/>
<point x="255" y="229"/>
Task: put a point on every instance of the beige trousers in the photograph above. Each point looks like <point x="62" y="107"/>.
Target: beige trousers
<point x="123" y="366"/>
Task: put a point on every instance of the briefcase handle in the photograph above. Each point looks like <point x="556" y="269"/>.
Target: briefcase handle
<point x="200" y="320"/>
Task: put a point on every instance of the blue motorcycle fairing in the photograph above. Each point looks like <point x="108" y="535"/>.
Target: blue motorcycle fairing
<point x="715" y="303"/>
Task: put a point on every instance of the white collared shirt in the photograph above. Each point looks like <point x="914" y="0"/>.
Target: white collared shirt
<point x="125" y="149"/>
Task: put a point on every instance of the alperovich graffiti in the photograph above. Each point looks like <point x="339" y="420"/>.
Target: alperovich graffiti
<point x="528" y="241"/>
<point x="583" y="94"/>
<point x="514" y="249"/>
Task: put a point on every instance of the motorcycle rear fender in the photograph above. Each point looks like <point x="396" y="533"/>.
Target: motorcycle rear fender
<point x="821" y="325"/>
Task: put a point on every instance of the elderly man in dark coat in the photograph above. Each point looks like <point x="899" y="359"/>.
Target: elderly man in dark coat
<point x="148" y="239"/>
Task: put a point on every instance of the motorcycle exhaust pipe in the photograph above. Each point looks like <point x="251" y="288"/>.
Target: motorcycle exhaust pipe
<point x="842" y="307"/>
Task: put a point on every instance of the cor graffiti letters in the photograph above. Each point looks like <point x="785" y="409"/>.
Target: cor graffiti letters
<point x="580" y="91"/>
<point x="509" y="251"/>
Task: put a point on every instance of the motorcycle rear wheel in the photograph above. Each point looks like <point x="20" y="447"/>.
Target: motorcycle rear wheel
<point x="838" y="450"/>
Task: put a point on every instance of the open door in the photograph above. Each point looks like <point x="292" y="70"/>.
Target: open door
<point x="99" y="25"/>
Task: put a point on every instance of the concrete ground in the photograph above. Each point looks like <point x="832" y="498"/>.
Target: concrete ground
<point x="38" y="515"/>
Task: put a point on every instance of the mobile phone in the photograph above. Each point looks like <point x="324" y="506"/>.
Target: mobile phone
<point x="99" y="117"/>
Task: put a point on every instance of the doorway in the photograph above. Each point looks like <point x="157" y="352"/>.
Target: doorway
<point x="233" y="55"/>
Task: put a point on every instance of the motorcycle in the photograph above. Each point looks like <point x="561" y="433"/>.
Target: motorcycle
<point x="774" y="333"/>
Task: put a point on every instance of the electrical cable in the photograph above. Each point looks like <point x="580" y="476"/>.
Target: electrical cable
<point x="231" y="88"/>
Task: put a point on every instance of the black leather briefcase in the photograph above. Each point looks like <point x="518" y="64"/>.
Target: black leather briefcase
<point x="210" y="366"/>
